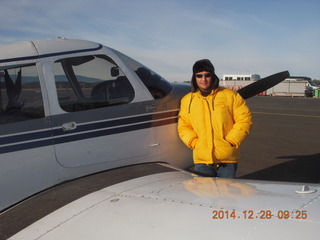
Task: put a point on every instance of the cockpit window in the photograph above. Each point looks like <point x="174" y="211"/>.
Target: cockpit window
<point x="158" y="86"/>
<point x="89" y="82"/>
<point x="20" y="94"/>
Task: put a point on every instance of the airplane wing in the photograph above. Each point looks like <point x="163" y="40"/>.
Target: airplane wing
<point x="173" y="204"/>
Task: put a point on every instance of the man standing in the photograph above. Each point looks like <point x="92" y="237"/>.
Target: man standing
<point x="213" y="121"/>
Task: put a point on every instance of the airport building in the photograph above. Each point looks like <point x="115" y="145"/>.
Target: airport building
<point x="294" y="86"/>
<point x="238" y="81"/>
<point x="241" y="77"/>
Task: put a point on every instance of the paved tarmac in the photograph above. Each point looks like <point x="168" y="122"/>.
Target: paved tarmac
<point x="284" y="144"/>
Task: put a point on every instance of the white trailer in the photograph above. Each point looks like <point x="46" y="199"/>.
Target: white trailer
<point x="293" y="87"/>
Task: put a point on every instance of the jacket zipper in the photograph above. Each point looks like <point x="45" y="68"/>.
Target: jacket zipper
<point x="211" y="126"/>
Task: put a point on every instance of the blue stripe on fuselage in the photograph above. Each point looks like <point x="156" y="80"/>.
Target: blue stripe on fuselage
<point x="48" y="137"/>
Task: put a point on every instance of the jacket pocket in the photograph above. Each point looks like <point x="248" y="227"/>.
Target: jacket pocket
<point x="225" y="152"/>
<point x="202" y="153"/>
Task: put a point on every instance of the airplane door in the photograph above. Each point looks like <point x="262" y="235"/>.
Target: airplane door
<point x="101" y="124"/>
<point x="27" y="156"/>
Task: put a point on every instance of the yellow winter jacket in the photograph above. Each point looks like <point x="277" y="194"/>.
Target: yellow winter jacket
<point x="214" y="126"/>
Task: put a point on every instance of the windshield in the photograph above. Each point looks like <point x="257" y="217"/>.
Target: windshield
<point x="157" y="85"/>
<point x="312" y="83"/>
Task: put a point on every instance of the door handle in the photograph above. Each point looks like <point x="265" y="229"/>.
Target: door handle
<point x="150" y="108"/>
<point x="69" y="126"/>
<point x="154" y="145"/>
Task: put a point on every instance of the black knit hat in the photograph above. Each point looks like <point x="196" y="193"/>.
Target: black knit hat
<point x="204" y="65"/>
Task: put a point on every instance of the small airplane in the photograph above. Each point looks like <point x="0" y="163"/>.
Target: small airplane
<point x="71" y="108"/>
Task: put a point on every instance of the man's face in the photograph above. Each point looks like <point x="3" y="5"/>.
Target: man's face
<point x="204" y="81"/>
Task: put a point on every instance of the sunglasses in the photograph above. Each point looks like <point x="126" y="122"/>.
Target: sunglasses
<point x="207" y="75"/>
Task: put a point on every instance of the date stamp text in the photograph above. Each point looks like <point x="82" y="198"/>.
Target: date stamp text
<point x="260" y="214"/>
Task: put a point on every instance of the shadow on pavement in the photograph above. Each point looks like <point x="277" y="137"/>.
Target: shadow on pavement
<point x="302" y="169"/>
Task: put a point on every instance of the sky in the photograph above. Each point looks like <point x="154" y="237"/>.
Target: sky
<point x="238" y="36"/>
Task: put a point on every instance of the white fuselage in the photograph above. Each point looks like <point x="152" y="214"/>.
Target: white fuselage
<point x="71" y="108"/>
